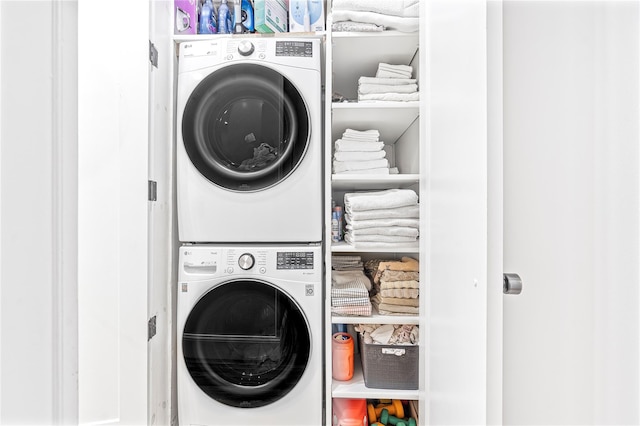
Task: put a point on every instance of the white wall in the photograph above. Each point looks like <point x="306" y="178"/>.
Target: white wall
<point x="571" y="190"/>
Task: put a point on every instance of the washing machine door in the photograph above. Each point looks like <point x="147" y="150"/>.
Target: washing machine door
<point x="246" y="343"/>
<point x="245" y="127"/>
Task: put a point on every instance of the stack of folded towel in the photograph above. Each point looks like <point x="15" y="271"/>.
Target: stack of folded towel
<point x="375" y="15"/>
<point x="388" y="218"/>
<point x="395" y="286"/>
<point x="349" y="287"/>
<point x="360" y="151"/>
<point x="391" y="83"/>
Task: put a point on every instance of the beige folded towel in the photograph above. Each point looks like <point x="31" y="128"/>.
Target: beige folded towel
<point x="400" y="301"/>
<point x="387" y="309"/>
<point x="388" y="275"/>
<point x="402" y="293"/>
<point x="399" y="284"/>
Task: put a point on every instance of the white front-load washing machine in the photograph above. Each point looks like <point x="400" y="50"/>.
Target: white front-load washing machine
<point x="249" y="335"/>
<point x="249" y="140"/>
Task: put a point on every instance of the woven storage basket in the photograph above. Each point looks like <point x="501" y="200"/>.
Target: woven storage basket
<point x="389" y="366"/>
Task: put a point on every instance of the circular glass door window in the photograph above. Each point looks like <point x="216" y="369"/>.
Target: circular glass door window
<point x="246" y="344"/>
<point x="245" y="127"/>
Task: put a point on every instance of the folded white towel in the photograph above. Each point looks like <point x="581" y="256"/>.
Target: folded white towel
<point x="368" y="245"/>
<point x="393" y="213"/>
<point x="394" y="7"/>
<point x="386" y="199"/>
<point x="375" y="238"/>
<point x="389" y="81"/>
<point x="344" y="166"/>
<point x="399" y="23"/>
<point x="359" y="156"/>
<point x="387" y="97"/>
<point x="359" y="138"/>
<point x="400" y="231"/>
<point x="376" y="171"/>
<point x="370" y="132"/>
<point x="350" y="26"/>
<point x="394" y="70"/>
<point x="366" y="88"/>
<point x="374" y="223"/>
<point x="347" y="145"/>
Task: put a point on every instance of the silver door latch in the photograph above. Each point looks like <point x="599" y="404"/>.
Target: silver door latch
<point x="512" y="284"/>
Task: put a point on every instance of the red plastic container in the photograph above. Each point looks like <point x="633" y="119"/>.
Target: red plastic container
<point x="350" y="412"/>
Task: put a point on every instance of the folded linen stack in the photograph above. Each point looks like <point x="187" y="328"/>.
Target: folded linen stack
<point x="389" y="334"/>
<point x="349" y="287"/>
<point x="388" y="218"/>
<point x="369" y="15"/>
<point x="360" y="152"/>
<point x="391" y="83"/>
<point x="396" y="286"/>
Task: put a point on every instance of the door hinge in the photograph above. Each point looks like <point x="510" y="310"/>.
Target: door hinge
<point x="153" y="54"/>
<point x="151" y="326"/>
<point x="153" y="190"/>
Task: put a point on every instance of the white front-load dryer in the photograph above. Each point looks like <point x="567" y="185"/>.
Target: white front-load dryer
<point x="249" y="335"/>
<point x="249" y="140"/>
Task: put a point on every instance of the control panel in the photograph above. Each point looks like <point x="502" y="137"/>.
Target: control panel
<point x="208" y="262"/>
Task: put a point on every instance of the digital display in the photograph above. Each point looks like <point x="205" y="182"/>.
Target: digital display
<point x="294" y="260"/>
<point x="294" y="48"/>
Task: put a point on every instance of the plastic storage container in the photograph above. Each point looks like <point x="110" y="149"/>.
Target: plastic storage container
<point x="342" y="356"/>
<point x="350" y="412"/>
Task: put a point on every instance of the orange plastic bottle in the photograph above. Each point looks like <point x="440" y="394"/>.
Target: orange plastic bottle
<point x="342" y="356"/>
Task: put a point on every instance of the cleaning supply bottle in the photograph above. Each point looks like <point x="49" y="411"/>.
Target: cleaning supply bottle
<point x="238" y="28"/>
<point x="205" y="25"/>
<point x="224" y="19"/>
<point x="335" y="230"/>
<point x="338" y="211"/>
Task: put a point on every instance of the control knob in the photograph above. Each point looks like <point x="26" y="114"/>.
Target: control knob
<point x="245" y="48"/>
<point x="246" y="261"/>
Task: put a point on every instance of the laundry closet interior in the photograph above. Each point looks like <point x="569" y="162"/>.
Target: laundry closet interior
<point x="243" y="237"/>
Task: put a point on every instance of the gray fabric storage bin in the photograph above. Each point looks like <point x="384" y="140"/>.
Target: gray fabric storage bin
<point x="389" y="366"/>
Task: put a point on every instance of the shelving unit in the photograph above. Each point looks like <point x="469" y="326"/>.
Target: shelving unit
<point x="348" y="57"/>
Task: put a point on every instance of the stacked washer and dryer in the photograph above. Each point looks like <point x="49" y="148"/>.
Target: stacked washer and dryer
<point x="249" y="201"/>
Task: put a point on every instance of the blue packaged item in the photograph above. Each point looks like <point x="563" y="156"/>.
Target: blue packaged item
<point x="225" y="26"/>
<point x="247" y="15"/>
<point x="207" y="24"/>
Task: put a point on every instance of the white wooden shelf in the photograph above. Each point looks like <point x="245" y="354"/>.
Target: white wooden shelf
<point x="348" y="248"/>
<point x="355" y="388"/>
<point x="375" y="318"/>
<point x="194" y="37"/>
<point x="350" y="182"/>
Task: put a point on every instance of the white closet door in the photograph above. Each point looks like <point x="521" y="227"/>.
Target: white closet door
<point x="112" y="217"/>
<point x="462" y="273"/>
<point x="571" y="223"/>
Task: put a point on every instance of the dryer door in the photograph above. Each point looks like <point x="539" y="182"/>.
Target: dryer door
<point x="246" y="343"/>
<point x="245" y="127"/>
